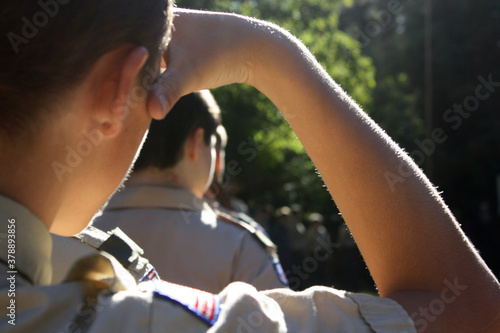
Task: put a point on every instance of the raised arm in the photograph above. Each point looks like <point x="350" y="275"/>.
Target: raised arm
<point x="412" y="244"/>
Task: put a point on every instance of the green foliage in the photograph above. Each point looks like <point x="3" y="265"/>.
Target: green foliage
<point x="393" y="39"/>
<point x="281" y="172"/>
<point x="465" y="46"/>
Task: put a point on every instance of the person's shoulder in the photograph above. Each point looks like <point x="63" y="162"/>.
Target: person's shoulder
<point x="230" y="221"/>
<point x="245" y="229"/>
<point x="321" y="309"/>
<point x="85" y="306"/>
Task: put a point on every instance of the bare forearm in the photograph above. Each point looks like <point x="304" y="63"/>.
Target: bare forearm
<point x="409" y="239"/>
<point x="353" y="156"/>
<point x="407" y="235"/>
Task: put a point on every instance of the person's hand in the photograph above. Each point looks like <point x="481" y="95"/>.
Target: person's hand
<point x="207" y="50"/>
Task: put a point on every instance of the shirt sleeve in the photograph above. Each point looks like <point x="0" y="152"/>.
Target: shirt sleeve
<point x="317" y="309"/>
<point x="254" y="265"/>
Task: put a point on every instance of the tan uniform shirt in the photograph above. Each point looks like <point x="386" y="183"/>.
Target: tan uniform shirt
<point x="186" y="243"/>
<point x="100" y="296"/>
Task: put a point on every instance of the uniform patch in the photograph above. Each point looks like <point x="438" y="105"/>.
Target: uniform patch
<point x="150" y="276"/>
<point x="204" y="305"/>
<point x="280" y="272"/>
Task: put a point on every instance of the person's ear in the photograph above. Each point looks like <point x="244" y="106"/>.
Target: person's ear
<point x="219" y="161"/>
<point x="112" y="81"/>
<point x="193" y="143"/>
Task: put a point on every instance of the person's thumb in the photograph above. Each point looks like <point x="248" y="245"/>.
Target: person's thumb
<point x="169" y="88"/>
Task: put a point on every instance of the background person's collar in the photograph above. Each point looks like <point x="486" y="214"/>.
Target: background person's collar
<point x="150" y="196"/>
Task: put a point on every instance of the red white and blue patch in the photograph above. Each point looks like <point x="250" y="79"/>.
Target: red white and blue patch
<point x="204" y="305"/>
<point x="150" y="276"/>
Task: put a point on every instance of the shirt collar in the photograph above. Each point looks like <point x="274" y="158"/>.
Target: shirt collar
<point x="150" y="196"/>
<point x="31" y="243"/>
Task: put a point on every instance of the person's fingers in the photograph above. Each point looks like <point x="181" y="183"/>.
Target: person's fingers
<point x="157" y="106"/>
<point x="172" y="83"/>
<point x="175" y="82"/>
<point x="171" y="87"/>
<point x="206" y="51"/>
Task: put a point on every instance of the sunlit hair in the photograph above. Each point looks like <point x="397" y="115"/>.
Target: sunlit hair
<point x="166" y="138"/>
<point x="221" y="138"/>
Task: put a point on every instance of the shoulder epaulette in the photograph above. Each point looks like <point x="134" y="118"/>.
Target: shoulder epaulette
<point x="261" y="238"/>
<point x="124" y="249"/>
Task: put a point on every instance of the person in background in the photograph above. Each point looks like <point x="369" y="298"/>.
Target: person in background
<point x="297" y="233"/>
<point x="162" y="206"/>
<point x="224" y="204"/>
<point x="279" y="235"/>
<point x="263" y="214"/>
<point x="316" y="239"/>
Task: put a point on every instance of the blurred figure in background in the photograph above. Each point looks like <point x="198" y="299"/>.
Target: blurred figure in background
<point x="297" y="236"/>
<point x="263" y="215"/>
<point x="350" y="261"/>
<point x="318" y="247"/>
<point x="279" y="235"/>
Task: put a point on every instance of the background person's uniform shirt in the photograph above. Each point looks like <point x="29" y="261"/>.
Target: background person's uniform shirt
<point x="186" y="242"/>
<point x="68" y="250"/>
<point x="101" y="296"/>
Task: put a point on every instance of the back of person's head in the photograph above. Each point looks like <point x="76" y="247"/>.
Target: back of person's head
<point x="316" y="218"/>
<point x="164" y="145"/>
<point x="296" y="208"/>
<point x="48" y="47"/>
<point x="284" y="211"/>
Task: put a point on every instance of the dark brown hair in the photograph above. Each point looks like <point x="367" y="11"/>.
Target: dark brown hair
<point x="47" y="47"/>
<point x="164" y="145"/>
